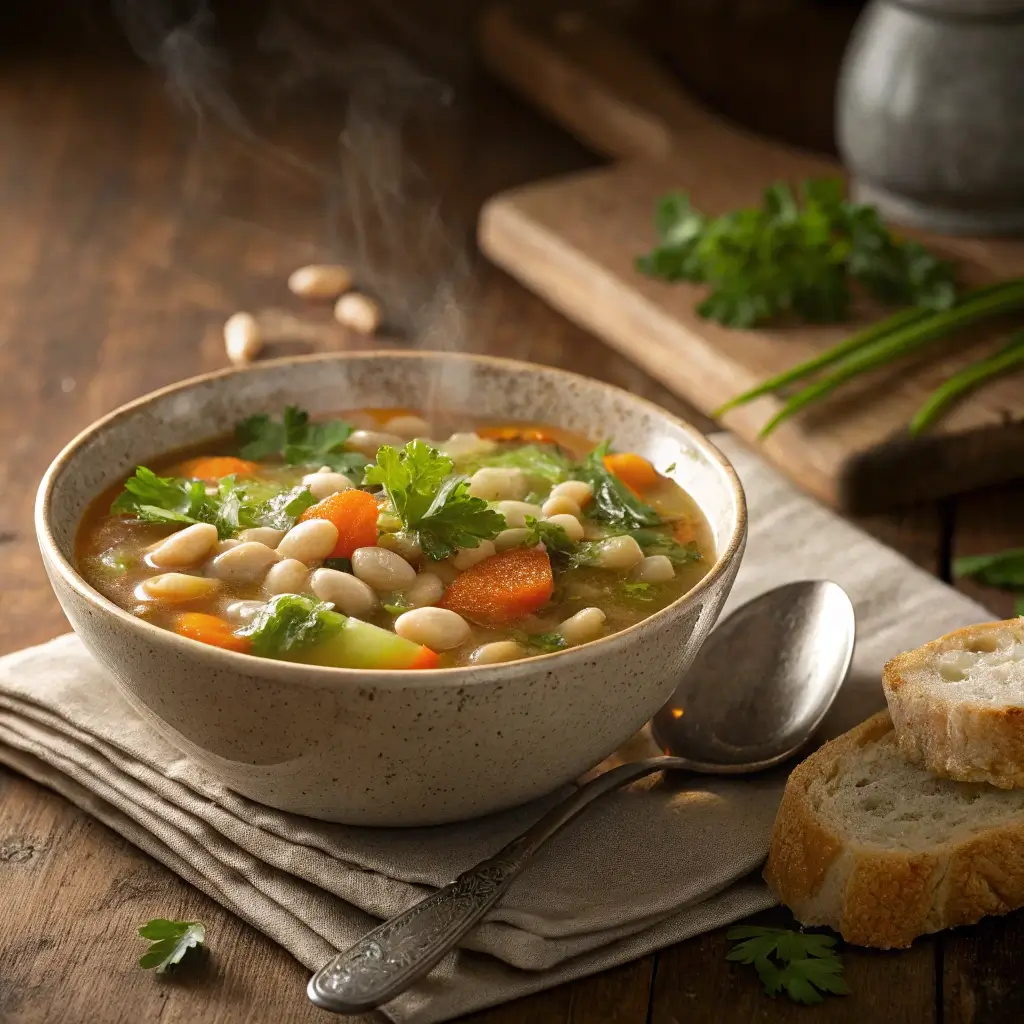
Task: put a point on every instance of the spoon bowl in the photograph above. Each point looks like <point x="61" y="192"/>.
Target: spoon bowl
<point x="762" y="682"/>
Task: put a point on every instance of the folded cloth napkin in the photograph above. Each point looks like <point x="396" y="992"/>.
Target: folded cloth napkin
<point x="641" y="869"/>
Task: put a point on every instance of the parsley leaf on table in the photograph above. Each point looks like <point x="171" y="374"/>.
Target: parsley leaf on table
<point x="613" y="502"/>
<point x="290" y="622"/>
<point x="801" y="964"/>
<point x="171" y="940"/>
<point x="299" y="441"/>
<point x="431" y="503"/>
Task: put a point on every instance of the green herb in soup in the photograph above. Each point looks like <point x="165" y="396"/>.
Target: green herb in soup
<point x="309" y="542"/>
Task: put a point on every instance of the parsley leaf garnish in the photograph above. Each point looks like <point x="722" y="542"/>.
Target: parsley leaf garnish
<point x="171" y="940"/>
<point x="546" y="642"/>
<point x="162" y="499"/>
<point x="433" y="505"/>
<point x="289" y="623"/>
<point x="793" y="255"/>
<point x="551" y="535"/>
<point x="654" y="542"/>
<point x="801" y="964"/>
<point x="638" y="591"/>
<point x="299" y="441"/>
<point x="613" y="502"/>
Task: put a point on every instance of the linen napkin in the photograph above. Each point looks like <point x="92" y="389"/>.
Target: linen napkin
<point x="641" y="869"/>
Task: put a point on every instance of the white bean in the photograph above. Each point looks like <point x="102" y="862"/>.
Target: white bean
<point x="366" y="442"/>
<point x="320" y="281"/>
<point x="309" y="541"/>
<point x="287" y="577"/>
<point x="322" y="485"/>
<point x="493" y="483"/>
<point x="176" y="588"/>
<point x="584" y="626"/>
<point x="241" y="613"/>
<point x="445" y="571"/>
<point x="359" y="312"/>
<point x="515" y="512"/>
<point x="246" y="562"/>
<point x="427" y="589"/>
<point x="575" y="490"/>
<point x="618" y="553"/>
<point x="466" y="558"/>
<point x="349" y="595"/>
<point x="558" y="505"/>
<point x="654" y="569"/>
<point x="226" y="545"/>
<point x="497" y="652"/>
<point x="463" y="446"/>
<point x="436" y="628"/>
<point x="263" y="534"/>
<point x="572" y="526"/>
<point x="388" y="522"/>
<point x="408" y="426"/>
<point x="184" y="548"/>
<point x="511" y="538"/>
<point x="402" y="544"/>
<point x="242" y="338"/>
<point x="382" y="569"/>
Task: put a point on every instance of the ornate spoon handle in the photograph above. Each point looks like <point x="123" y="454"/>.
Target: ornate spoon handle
<point x="388" y="960"/>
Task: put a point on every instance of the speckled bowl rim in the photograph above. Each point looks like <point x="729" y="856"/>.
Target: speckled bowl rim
<point x="319" y="675"/>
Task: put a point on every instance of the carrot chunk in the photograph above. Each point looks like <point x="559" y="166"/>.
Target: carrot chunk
<point x="513" y="433"/>
<point x="502" y="588"/>
<point x="354" y="513"/>
<point x="212" y="630"/>
<point x="214" y="467"/>
<point x="426" y="658"/>
<point x="633" y="470"/>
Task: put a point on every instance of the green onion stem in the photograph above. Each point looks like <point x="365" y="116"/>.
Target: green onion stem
<point x="967" y="379"/>
<point x="861" y="339"/>
<point x="902" y="342"/>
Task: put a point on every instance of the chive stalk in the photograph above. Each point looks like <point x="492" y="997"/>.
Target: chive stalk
<point x="862" y="339"/>
<point x="903" y="341"/>
<point x="1007" y="358"/>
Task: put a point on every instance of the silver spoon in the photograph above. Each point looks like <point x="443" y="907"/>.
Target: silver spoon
<point x="756" y="692"/>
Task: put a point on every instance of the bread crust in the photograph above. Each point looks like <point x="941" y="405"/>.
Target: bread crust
<point x="878" y="897"/>
<point x="956" y="738"/>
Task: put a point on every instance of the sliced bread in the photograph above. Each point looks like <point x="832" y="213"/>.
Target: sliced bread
<point x="881" y="851"/>
<point x="957" y="703"/>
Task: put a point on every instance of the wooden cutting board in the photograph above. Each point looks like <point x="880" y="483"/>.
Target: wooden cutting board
<point x="574" y="239"/>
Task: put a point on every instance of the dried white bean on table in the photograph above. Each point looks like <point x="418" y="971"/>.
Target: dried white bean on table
<point x="246" y="562"/>
<point x="349" y="595"/>
<point x="497" y="652"/>
<point x="289" y="576"/>
<point x="264" y="534"/>
<point x="654" y="569"/>
<point x="359" y="312"/>
<point x="436" y="628"/>
<point x="584" y="626"/>
<point x="185" y="548"/>
<point x="466" y="558"/>
<point x="320" y="281"/>
<point x="515" y="512"/>
<point x="243" y="340"/>
<point x="322" y="485"/>
<point x="309" y="541"/>
<point x="427" y="589"/>
<point x="382" y="569"/>
<point x="176" y="587"/>
<point x="578" y="491"/>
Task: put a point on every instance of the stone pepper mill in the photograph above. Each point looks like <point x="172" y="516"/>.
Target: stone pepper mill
<point x="930" y="113"/>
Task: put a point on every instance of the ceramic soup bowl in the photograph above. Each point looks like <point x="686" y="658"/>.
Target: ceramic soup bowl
<point x="389" y="747"/>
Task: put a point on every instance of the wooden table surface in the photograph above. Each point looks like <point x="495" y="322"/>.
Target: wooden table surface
<point x="124" y="246"/>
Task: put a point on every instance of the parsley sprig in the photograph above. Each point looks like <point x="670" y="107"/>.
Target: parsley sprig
<point x="795" y="254"/>
<point x="431" y="503"/>
<point x="801" y="964"/>
<point x="613" y="502"/>
<point x="170" y="941"/>
<point x="1003" y="569"/>
<point x="290" y="623"/>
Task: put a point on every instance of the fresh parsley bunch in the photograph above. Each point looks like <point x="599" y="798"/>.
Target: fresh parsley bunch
<point x="792" y="255"/>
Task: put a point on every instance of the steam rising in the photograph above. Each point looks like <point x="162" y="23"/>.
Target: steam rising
<point x="377" y="87"/>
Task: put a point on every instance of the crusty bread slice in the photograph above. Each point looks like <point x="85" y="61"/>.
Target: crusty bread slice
<point x="882" y="852"/>
<point x="957" y="703"/>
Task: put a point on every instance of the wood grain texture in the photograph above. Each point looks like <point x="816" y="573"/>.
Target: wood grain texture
<point x="574" y="241"/>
